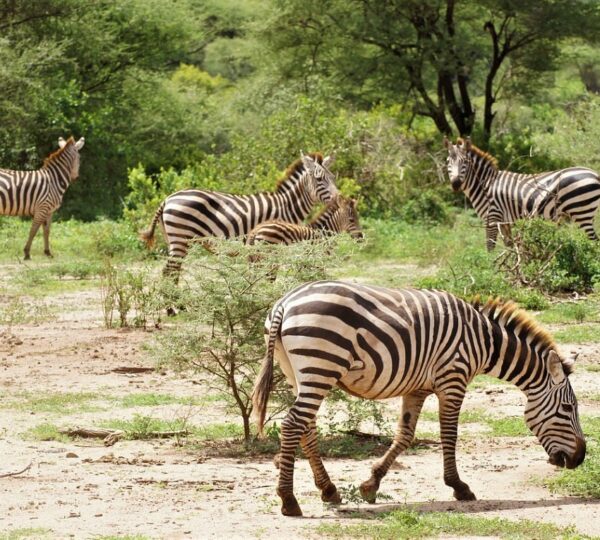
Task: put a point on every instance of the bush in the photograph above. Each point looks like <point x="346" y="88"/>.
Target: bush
<point x="225" y="300"/>
<point x="552" y="258"/>
<point x="473" y="272"/>
<point x="427" y="207"/>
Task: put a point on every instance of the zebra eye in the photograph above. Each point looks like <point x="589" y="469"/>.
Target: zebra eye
<point x="567" y="407"/>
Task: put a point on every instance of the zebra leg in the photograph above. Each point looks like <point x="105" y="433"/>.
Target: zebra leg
<point x="308" y="441"/>
<point x="35" y="225"/>
<point x="449" y="410"/>
<point x="588" y="228"/>
<point x="47" y="236"/>
<point x="411" y="408"/>
<point x="505" y="230"/>
<point x="491" y="235"/>
<point x="293" y="427"/>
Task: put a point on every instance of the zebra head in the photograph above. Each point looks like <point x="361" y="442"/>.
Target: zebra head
<point x="552" y="414"/>
<point x="458" y="162"/>
<point x="350" y="216"/>
<point x="321" y="179"/>
<point x="71" y="149"/>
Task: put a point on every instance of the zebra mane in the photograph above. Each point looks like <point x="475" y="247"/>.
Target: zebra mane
<point x="514" y="319"/>
<point x="479" y="152"/>
<point x="54" y="155"/>
<point x="297" y="166"/>
<point x="335" y="203"/>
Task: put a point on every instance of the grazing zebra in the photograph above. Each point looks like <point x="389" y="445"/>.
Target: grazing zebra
<point x="339" y="216"/>
<point x="379" y="343"/>
<point x="197" y="214"/>
<point x="502" y="197"/>
<point x="39" y="193"/>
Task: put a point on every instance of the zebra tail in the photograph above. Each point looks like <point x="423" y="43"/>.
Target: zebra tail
<point x="148" y="236"/>
<point x="264" y="382"/>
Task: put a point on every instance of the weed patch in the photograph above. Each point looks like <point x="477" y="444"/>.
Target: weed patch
<point x="45" y="432"/>
<point x="580" y="333"/>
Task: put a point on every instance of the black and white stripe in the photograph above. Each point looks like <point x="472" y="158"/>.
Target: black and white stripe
<point x="39" y="193"/>
<point x="339" y="216"/>
<point x="379" y="343"/>
<point x="502" y="197"/>
<point x="199" y="215"/>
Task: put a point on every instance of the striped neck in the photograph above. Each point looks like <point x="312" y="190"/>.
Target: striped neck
<point x="517" y="346"/>
<point x="479" y="174"/>
<point x="59" y="165"/>
<point x="294" y="199"/>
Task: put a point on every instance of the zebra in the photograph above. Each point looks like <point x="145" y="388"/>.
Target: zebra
<point x="502" y="197"/>
<point x="339" y="216"/>
<point x="39" y="193"/>
<point x="379" y="343"/>
<point x="196" y="215"/>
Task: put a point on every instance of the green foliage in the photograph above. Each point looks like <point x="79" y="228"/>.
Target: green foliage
<point x="349" y="414"/>
<point x="410" y="524"/>
<point x="427" y="207"/>
<point x="142" y="427"/>
<point x="125" y="292"/>
<point x="472" y="272"/>
<point x="230" y="293"/>
<point x="552" y="259"/>
<point x="581" y="333"/>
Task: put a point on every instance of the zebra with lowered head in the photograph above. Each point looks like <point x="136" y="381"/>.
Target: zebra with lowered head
<point x="378" y="343"/>
<point x="339" y="216"/>
<point x="502" y="197"/>
<point x="198" y="215"/>
<point x="39" y="193"/>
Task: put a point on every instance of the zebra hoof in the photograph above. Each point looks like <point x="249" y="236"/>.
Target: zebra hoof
<point x="368" y="491"/>
<point x="331" y="495"/>
<point x="48" y="254"/>
<point x="27" y="257"/>
<point x="171" y="312"/>
<point x="290" y="506"/>
<point x="464" y="495"/>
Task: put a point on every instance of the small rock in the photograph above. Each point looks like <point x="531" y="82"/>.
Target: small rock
<point x="71" y="455"/>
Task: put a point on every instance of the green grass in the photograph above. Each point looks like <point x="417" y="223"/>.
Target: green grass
<point x="593" y="368"/>
<point x="153" y="400"/>
<point x="407" y="524"/>
<point x="55" y="403"/>
<point x="584" y="481"/>
<point x="484" y="381"/>
<point x="71" y="241"/>
<point x="45" y="432"/>
<point x="580" y="333"/>
<point x="571" y="312"/>
<point x="30" y="532"/>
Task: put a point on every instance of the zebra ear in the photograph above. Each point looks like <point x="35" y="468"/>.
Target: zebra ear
<point x="61" y="142"/>
<point x="79" y="144"/>
<point x="309" y="163"/>
<point x="447" y="143"/>
<point x="328" y="161"/>
<point x="467" y="143"/>
<point x="555" y="367"/>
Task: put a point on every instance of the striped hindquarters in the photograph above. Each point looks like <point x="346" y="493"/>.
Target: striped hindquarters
<point x="21" y="192"/>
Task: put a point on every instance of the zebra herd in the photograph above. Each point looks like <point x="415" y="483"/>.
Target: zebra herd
<point x="372" y="342"/>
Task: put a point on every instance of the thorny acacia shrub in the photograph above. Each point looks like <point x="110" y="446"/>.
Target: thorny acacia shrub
<point x="225" y="298"/>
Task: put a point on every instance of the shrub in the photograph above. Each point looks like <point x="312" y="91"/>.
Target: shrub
<point x="552" y="259"/>
<point x="225" y="299"/>
<point x="427" y="207"/>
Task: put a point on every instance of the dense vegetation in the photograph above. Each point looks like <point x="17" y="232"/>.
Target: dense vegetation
<point x="231" y="92"/>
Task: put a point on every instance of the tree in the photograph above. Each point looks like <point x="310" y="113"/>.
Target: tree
<point x="438" y="54"/>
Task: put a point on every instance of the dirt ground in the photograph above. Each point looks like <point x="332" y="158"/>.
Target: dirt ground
<point x="156" y="489"/>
